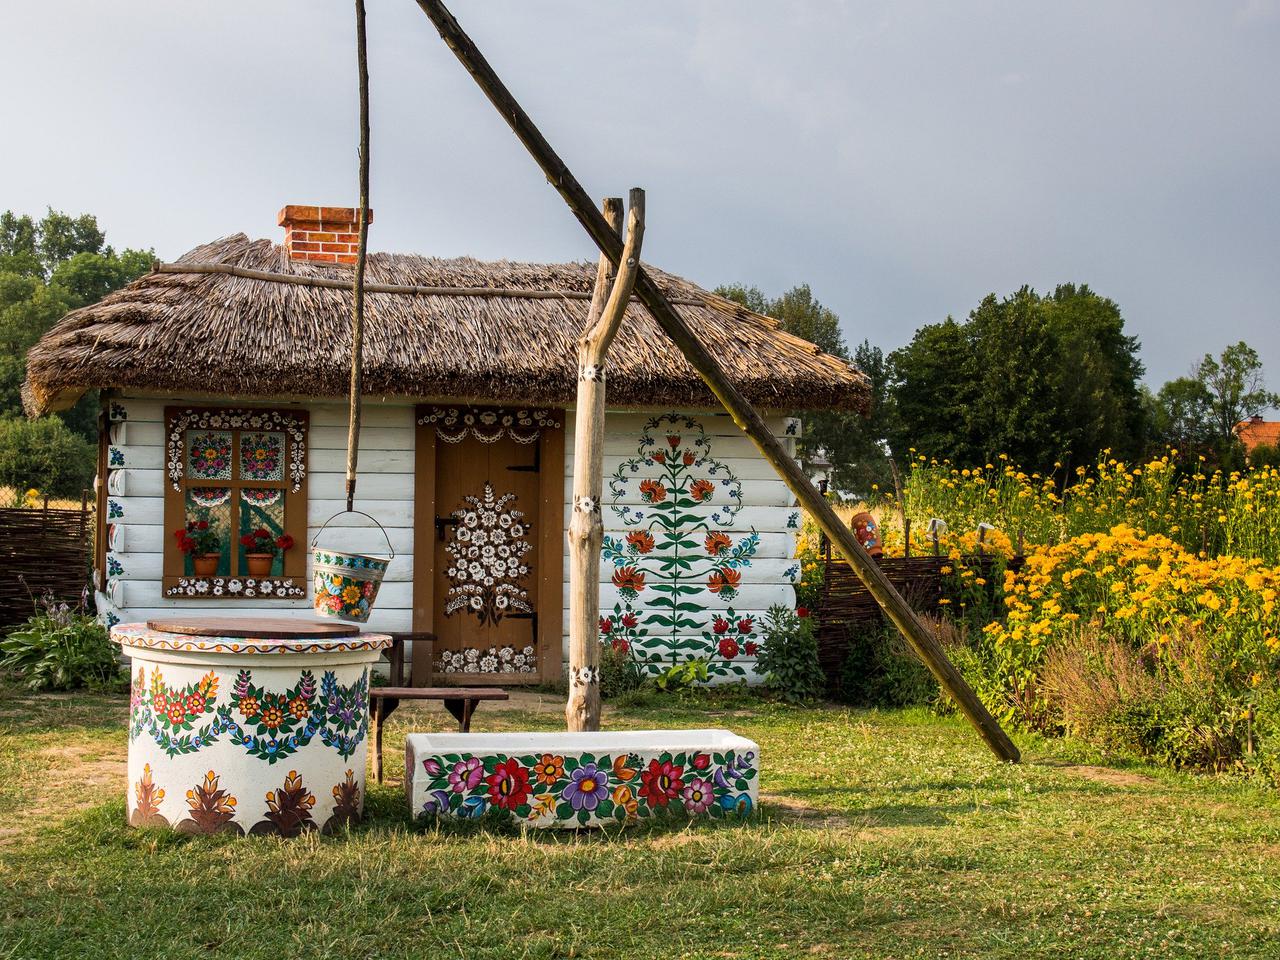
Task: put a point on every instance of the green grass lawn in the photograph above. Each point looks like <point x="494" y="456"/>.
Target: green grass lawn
<point x="881" y="835"/>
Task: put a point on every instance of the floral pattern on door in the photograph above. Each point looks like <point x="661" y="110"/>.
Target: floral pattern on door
<point x="487" y="546"/>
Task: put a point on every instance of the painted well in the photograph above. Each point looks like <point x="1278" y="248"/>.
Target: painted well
<point x="229" y="734"/>
<point x="582" y="779"/>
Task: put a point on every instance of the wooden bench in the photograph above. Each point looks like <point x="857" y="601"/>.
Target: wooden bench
<point x="461" y="702"/>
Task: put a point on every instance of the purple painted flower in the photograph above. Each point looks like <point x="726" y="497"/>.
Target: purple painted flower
<point x="432" y="766"/>
<point x="697" y="795"/>
<point x="587" y="787"/>
<point x="438" y="802"/>
<point x="466" y="775"/>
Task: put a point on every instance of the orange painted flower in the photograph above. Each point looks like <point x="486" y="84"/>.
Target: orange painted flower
<point x="652" y="491"/>
<point x="702" y="490"/>
<point x="624" y="798"/>
<point x="299" y="707"/>
<point x="641" y="540"/>
<point x="620" y="768"/>
<point x="249" y="707"/>
<point x="717" y="543"/>
<point x="725" y="580"/>
<point x="272" y="717"/>
<point x="629" y="580"/>
<point x="548" y="769"/>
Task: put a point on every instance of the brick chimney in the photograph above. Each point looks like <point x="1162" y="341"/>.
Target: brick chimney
<point x="321" y="234"/>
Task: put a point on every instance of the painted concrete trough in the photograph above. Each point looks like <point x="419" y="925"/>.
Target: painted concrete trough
<point x="582" y="779"/>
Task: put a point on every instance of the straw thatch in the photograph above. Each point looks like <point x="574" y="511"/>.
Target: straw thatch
<point x="204" y="332"/>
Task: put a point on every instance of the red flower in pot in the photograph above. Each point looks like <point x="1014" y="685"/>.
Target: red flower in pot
<point x="260" y="549"/>
<point x="204" y="545"/>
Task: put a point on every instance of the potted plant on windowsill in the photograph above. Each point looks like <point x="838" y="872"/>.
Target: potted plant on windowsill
<point x="260" y="550"/>
<point x="205" y="547"/>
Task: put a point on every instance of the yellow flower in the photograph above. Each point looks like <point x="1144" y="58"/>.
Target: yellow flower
<point x="350" y="594"/>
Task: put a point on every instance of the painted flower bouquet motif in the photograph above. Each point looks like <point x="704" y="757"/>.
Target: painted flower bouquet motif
<point x="587" y="789"/>
<point x="346" y="713"/>
<point x="487" y="569"/>
<point x="262" y="456"/>
<point x="271" y="725"/>
<point x="210" y="454"/>
<point x="169" y="714"/>
<point x="344" y="596"/>
<point x="680" y="562"/>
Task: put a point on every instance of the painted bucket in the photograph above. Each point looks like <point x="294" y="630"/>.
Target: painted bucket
<point x="346" y="584"/>
<point x="868" y="533"/>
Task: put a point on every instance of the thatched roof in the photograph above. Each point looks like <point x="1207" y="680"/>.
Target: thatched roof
<point x="502" y="332"/>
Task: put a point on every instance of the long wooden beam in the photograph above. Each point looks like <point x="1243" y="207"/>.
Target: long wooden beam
<point x="917" y="633"/>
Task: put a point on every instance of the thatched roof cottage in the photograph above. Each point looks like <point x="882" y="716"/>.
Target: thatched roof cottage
<point x="223" y="379"/>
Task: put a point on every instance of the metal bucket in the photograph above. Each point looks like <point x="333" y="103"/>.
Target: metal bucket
<point x="346" y="584"/>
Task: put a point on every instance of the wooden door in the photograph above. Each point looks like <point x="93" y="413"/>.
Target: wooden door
<point x="496" y="539"/>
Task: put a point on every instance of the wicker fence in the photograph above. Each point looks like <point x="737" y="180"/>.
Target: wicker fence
<point x="43" y="551"/>
<point x="846" y="603"/>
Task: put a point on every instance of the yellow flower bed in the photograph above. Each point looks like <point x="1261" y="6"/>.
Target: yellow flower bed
<point x="1143" y="590"/>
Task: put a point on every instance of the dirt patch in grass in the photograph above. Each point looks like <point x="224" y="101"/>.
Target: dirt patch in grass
<point x="68" y="779"/>
<point x="1112" y="778"/>
<point x="788" y="808"/>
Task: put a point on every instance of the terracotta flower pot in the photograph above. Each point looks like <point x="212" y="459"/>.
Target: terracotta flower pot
<point x="260" y="563"/>
<point x="206" y="564"/>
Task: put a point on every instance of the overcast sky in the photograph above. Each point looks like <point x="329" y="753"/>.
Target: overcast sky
<point x="902" y="158"/>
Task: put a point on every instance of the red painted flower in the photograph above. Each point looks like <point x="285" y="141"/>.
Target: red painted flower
<point x="745" y="625"/>
<point x="629" y="620"/>
<point x="606" y="625"/>
<point x="728" y="647"/>
<point x="176" y="712"/>
<point x="659" y="457"/>
<point x="652" y="491"/>
<point x="628" y="580"/>
<point x="689" y="457"/>
<point x="193" y="704"/>
<point x="508" y="785"/>
<point x="161" y="703"/>
<point x="641" y="540"/>
<point x="701" y="490"/>
<point x="751" y="648"/>
<point x="661" y="783"/>
<point x="701" y="761"/>
<point x="620" y="645"/>
<point x="720" y="625"/>
<point x="717" y="543"/>
<point x="673" y="440"/>
<point x="725" y="581"/>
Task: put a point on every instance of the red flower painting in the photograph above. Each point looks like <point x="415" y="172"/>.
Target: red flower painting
<point x="508" y="785"/>
<point x="661" y="783"/>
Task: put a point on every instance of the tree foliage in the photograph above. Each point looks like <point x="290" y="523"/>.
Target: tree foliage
<point x="48" y="267"/>
<point x="1040" y="378"/>
<point x="853" y="444"/>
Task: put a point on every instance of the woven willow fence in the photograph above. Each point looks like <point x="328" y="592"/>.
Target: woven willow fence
<point x="43" y="551"/>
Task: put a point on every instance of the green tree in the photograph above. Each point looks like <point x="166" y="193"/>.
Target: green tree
<point x="1041" y="378"/>
<point x="48" y="267"/>
<point x="1236" y="387"/>
<point x="1182" y="417"/>
<point x="854" y="444"/>
<point x="44" y="454"/>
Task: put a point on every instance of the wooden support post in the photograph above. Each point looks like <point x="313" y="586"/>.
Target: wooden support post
<point x="586" y="526"/>
<point x="917" y="633"/>
<point x="357" y="298"/>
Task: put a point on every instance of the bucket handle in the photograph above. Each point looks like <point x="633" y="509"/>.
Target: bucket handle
<point x="316" y="538"/>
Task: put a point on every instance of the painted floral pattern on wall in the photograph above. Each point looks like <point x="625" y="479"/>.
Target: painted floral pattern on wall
<point x="209" y="455"/>
<point x="487" y="549"/>
<point x="491" y="660"/>
<point x="682" y="557"/>
<point x="586" y="788"/>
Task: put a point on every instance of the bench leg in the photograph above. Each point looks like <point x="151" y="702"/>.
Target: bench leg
<point x="462" y="709"/>
<point x="375" y="718"/>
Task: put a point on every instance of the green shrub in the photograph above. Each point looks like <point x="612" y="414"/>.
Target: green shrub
<point x="46" y="455"/>
<point x="60" y="648"/>
<point x="788" y="658"/>
<point x="881" y="671"/>
<point x="681" y="676"/>
<point x="619" y="673"/>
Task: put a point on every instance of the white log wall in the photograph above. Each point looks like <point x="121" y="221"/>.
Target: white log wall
<point x="136" y="492"/>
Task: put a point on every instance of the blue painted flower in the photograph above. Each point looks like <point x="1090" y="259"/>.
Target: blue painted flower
<point x="587" y="787"/>
<point x="741" y="804"/>
<point x="473" y="807"/>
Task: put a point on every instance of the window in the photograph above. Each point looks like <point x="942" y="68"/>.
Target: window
<point x="228" y="473"/>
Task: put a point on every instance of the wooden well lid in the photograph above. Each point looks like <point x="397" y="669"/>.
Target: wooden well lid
<point x="259" y="628"/>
